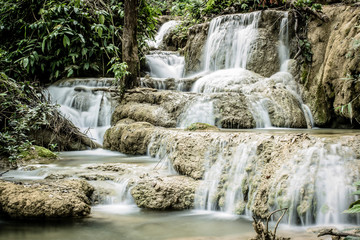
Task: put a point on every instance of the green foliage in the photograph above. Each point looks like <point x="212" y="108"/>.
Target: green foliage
<point x="51" y="39"/>
<point x="308" y="3"/>
<point x="22" y="111"/>
<point x="119" y="69"/>
<point x="355" y="206"/>
<point x="306" y="51"/>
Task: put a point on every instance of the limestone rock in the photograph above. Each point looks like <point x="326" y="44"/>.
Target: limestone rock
<point x="335" y="58"/>
<point x="50" y="199"/>
<point x="129" y="138"/>
<point x="174" y="192"/>
<point x="194" y="48"/>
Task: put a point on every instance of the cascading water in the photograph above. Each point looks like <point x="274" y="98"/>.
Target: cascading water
<point x="230" y="40"/>
<point x="284" y="51"/>
<point x="315" y="183"/>
<point x="201" y="110"/>
<point x="87" y="109"/>
<point x="318" y="185"/>
<point x="164" y="29"/>
<point x="165" y="64"/>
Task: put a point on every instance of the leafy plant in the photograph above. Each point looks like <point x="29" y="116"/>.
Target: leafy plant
<point x="23" y="110"/>
<point x="355" y="206"/>
<point x="51" y="39"/>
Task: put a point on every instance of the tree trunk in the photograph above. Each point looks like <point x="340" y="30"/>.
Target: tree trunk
<point x="130" y="46"/>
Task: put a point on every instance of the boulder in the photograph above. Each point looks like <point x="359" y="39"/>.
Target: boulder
<point x="129" y="138"/>
<point x="45" y="199"/>
<point x="162" y="193"/>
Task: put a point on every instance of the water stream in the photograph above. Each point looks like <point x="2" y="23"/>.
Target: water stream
<point x="88" y="109"/>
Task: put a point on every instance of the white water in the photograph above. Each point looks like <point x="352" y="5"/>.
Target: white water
<point x="317" y="179"/>
<point x="164" y="29"/>
<point x="165" y="64"/>
<point x="283" y="49"/>
<point x="201" y="110"/>
<point x="230" y="39"/>
<point x="88" y="110"/>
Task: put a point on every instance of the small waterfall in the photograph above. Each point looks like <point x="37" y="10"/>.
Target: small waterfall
<point x="318" y="185"/>
<point x="223" y="185"/>
<point x="164" y="29"/>
<point x="315" y="182"/>
<point x="165" y="64"/>
<point x="284" y="51"/>
<point x="230" y="40"/>
<point x="200" y="110"/>
<point x="87" y="109"/>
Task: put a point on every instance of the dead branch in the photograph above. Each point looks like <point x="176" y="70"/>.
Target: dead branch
<point x="263" y="232"/>
<point x="337" y="234"/>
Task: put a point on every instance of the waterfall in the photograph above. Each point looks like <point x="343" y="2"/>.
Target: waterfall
<point x="315" y="182"/>
<point x="230" y="39"/>
<point x="165" y="64"/>
<point x="87" y="109"/>
<point x="283" y="49"/>
<point x="318" y="185"/>
<point x="164" y="29"/>
<point x="200" y="110"/>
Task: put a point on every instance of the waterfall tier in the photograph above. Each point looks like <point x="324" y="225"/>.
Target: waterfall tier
<point x="89" y="110"/>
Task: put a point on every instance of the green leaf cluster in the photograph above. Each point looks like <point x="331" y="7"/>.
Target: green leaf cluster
<point x="52" y="39"/>
<point x="23" y="110"/>
<point x="355" y="206"/>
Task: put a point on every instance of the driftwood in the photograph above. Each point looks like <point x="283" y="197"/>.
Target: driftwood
<point x="331" y="232"/>
<point x="263" y="232"/>
<point x="113" y="90"/>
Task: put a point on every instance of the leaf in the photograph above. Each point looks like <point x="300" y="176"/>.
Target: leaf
<point x="354" y="209"/>
<point x="100" y="31"/>
<point x="356" y="193"/>
<point x="102" y="19"/>
<point x="43" y="45"/>
<point x="357" y="183"/>
<point x="66" y="41"/>
<point x="354" y="204"/>
<point x="350" y="110"/>
<point x="84" y="51"/>
<point x="86" y="66"/>
<point x="70" y="72"/>
<point x="25" y="62"/>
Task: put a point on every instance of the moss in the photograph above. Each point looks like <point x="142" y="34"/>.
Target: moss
<point x="201" y="126"/>
<point x="37" y="152"/>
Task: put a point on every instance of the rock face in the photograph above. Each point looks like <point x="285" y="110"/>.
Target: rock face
<point x="331" y="81"/>
<point x="175" y="192"/>
<point x="128" y="138"/>
<point x="50" y="199"/>
<point x="194" y="48"/>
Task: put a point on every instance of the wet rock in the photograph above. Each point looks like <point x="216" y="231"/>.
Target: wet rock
<point x="194" y="48"/>
<point x="129" y="138"/>
<point x="201" y="127"/>
<point x="174" y="192"/>
<point x="335" y="60"/>
<point x="160" y="108"/>
<point x="50" y="199"/>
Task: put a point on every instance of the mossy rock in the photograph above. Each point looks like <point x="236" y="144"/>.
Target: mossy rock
<point x="201" y="127"/>
<point x="37" y="154"/>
